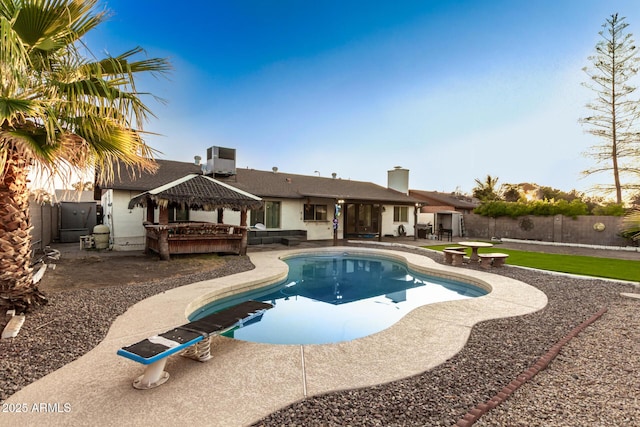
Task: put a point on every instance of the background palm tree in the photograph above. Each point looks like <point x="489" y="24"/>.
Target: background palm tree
<point x="61" y="114"/>
<point x="631" y="224"/>
<point x="486" y="190"/>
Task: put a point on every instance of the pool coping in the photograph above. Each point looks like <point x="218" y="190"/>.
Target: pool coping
<point x="246" y="381"/>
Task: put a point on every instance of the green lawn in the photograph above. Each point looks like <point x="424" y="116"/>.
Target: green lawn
<point x="574" y="264"/>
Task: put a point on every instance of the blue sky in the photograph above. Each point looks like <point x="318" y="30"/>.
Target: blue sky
<point x="451" y="90"/>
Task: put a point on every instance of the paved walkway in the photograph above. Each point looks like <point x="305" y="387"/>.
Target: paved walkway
<point x="632" y="253"/>
<point x="70" y="250"/>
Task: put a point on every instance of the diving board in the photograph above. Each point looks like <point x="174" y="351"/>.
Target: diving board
<point x="192" y="340"/>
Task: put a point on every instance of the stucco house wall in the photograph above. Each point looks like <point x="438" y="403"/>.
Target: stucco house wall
<point x="293" y="218"/>
<point x="390" y="227"/>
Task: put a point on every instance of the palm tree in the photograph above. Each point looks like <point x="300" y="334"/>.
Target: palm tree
<point x="631" y="224"/>
<point x="61" y="114"/>
<point x="486" y="191"/>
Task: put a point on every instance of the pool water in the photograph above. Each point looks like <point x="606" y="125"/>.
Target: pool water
<point x="334" y="298"/>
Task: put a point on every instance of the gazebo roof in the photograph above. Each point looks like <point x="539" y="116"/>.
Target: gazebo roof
<point x="198" y="192"/>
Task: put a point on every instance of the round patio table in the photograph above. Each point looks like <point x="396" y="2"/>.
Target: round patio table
<point x="474" y="248"/>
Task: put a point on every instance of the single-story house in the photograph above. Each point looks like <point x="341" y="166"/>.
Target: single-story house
<point x="294" y="205"/>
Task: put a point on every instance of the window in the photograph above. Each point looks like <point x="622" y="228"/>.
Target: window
<point x="315" y="212"/>
<point x="269" y="215"/>
<point x="400" y="213"/>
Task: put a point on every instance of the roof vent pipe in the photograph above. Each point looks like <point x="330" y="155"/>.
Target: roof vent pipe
<point x="274" y="169"/>
<point x="197" y="160"/>
<point x="334" y="175"/>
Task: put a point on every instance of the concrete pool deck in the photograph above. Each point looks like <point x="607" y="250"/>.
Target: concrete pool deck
<point x="244" y="381"/>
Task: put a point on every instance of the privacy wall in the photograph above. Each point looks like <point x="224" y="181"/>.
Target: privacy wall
<point x="589" y="230"/>
<point x="44" y="221"/>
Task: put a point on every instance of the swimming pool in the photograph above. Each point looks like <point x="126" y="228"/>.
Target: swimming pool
<point x="329" y="298"/>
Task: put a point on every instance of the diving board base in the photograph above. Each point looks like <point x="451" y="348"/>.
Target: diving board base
<point x="154" y="376"/>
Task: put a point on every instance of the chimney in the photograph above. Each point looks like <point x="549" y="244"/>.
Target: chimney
<point x="398" y="179"/>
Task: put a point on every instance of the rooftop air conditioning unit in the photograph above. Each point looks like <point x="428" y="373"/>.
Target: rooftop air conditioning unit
<point x="221" y="161"/>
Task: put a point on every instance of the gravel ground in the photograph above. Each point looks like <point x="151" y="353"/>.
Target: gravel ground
<point x="595" y="380"/>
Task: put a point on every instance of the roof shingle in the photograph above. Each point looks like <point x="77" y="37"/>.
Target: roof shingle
<point x="268" y="184"/>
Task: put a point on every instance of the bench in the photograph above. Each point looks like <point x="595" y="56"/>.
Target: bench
<point x="192" y="340"/>
<point x="454" y="256"/>
<point x="492" y="259"/>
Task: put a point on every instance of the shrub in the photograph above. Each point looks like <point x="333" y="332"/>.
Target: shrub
<point x="497" y="209"/>
<point x="611" y="209"/>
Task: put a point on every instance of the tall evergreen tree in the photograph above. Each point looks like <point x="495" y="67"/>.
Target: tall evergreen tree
<point x="60" y="113"/>
<point x="613" y="112"/>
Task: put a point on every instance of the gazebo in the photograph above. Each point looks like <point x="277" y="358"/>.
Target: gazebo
<point x="195" y="192"/>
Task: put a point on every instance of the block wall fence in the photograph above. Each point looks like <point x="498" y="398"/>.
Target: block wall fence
<point x="558" y="228"/>
<point x="44" y="223"/>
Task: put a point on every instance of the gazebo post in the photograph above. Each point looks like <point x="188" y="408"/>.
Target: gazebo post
<point x="163" y="244"/>
<point x="150" y="211"/>
<point x="245" y="231"/>
<point x="163" y="217"/>
<point x="163" y="234"/>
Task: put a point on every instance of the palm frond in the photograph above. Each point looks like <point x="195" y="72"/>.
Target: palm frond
<point x="60" y="107"/>
<point x="50" y="25"/>
<point x="631" y="224"/>
<point x="15" y="110"/>
<point x="14" y="59"/>
<point x="123" y="64"/>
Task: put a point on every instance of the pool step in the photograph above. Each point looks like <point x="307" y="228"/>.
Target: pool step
<point x="290" y="241"/>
